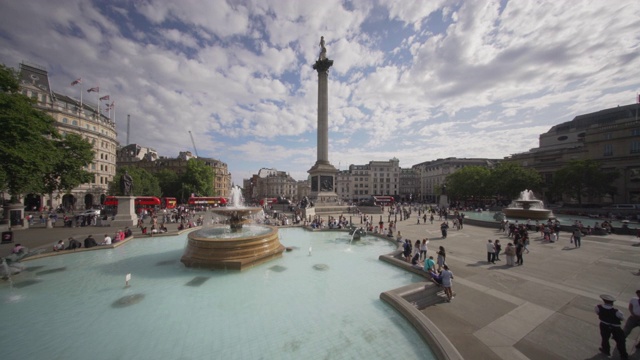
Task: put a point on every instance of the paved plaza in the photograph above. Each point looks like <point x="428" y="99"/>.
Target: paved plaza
<point x="541" y="310"/>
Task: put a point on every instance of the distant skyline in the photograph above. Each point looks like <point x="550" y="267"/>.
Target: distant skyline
<point x="414" y="80"/>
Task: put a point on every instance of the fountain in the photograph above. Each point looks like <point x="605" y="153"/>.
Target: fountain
<point x="527" y="207"/>
<point x="236" y="246"/>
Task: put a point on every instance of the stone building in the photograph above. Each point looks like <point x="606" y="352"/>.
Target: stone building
<point x="610" y="136"/>
<point x="71" y="116"/>
<point x="432" y="174"/>
<point x="148" y="159"/>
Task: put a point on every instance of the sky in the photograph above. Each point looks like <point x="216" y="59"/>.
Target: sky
<point x="414" y="80"/>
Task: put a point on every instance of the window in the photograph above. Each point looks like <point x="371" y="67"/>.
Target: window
<point x="74" y="123"/>
<point x="608" y="136"/>
<point x="65" y="120"/>
<point x="635" y="132"/>
<point x="608" y="150"/>
<point x="635" y="147"/>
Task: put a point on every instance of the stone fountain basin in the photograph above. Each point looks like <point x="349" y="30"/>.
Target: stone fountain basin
<point x="235" y="253"/>
<point x="533" y="214"/>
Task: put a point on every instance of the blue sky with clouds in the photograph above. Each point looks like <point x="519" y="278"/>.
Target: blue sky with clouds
<point x="415" y="80"/>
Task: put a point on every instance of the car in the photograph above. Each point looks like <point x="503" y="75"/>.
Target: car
<point x="91" y="212"/>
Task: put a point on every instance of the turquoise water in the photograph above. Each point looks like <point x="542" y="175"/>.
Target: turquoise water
<point x="320" y="306"/>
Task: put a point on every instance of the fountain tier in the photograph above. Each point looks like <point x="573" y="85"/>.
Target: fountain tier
<point x="527" y="207"/>
<point x="239" y="252"/>
<point x="236" y="249"/>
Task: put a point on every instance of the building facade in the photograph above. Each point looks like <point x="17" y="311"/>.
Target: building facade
<point x="432" y="174"/>
<point x="84" y="119"/>
<point x="609" y="136"/>
<point x="148" y="159"/>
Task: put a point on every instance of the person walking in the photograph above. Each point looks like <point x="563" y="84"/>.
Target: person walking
<point x="442" y="258"/>
<point x="496" y="244"/>
<point x="447" y="277"/>
<point x="416" y="247"/>
<point x="510" y="251"/>
<point x="577" y="235"/>
<point x="610" y="320"/>
<point x="519" y="253"/>
<point x="424" y="249"/>
<point x="491" y="252"/>
<point x="634" y="318"/>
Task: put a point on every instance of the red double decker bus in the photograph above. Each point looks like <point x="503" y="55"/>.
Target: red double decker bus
<point x="168" y="203"/>
<point x="383" y="200"/>
<point x="207" y="201"/>
<point x="149" y="203"/>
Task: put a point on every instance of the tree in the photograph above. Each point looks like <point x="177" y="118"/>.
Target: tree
<point x="144" y="183"/>
<point x="198" y="178"/>
<point x="27" y="144"/>
<point x="509" y="179"/>
<point x="69" y="162"/>
<point x="170" y="183"/>
<point x="584" y="178"/>
<point x="468" y="182"/>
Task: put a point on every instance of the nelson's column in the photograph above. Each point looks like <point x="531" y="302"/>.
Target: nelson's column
<point x="323" y="174"/>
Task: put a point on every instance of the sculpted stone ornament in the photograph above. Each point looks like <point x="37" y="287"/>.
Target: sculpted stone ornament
<point x="126" y="184"/>
<point x="323" y="50"/>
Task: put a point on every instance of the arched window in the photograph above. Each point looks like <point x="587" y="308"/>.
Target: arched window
<point x="65" y="120"/>
<point x="74" y="123"/>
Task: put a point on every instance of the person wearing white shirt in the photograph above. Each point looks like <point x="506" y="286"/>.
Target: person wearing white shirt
<point x="634" y="317"/>
<point x="107" y="240"/>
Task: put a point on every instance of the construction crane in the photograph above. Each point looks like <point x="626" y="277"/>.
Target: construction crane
<point x="194" y="143"/>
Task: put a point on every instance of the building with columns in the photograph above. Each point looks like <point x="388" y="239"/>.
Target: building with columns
<point x="71" y="116"/>
<point x="609" y="136"/>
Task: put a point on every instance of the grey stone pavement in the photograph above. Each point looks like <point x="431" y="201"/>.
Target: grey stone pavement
<point x="541" y="310"/>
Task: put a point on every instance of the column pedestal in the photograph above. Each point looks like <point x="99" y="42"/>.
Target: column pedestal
<point x="126" y="212"/>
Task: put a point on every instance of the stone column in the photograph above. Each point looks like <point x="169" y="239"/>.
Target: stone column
<point x="322" y="67"/>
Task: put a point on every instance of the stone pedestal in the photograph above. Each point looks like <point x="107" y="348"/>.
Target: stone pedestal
<point x="14" y="216"/>
<point x="126" y="212"/>
<point x="443" y="202"/>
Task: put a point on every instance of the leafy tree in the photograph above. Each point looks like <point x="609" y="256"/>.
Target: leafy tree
<point x="509" y="179"/>
<point x="198" y="178"/>
<point x="69" y="162"/>
<point x="28" y="139"/>
<point x="468" y="182"/>
<point x="144" y="183"/>
<point x="584" y="178"/>
<point x="170" y="183"/>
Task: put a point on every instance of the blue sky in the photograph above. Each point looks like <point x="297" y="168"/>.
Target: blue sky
<point x="415" y="80"/>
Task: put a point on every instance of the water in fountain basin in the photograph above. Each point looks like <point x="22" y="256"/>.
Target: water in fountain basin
<point x="285" y="305"/>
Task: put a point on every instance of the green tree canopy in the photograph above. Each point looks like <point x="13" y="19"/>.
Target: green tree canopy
<point x="73" y="156"/>
<point x="468" y="182"/>
<point x="198" y="178"/>
<point x="170" y="183"/>
<point x="509" y="179"/>
<point x="144" y="183"/>
<point x="583" y="178"/>
<point x="28" y="142"/>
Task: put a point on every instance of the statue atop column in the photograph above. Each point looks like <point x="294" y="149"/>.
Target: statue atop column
<point x="323" y="50"/>
<point x="126" y="184"/>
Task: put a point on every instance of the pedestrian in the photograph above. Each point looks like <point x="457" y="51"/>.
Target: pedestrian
<point x="447" y="277"/>
<point x="491" y="252"/>
<point x="496" y="244"/>
<point x="577" y="235"/>
<point x="442" y="258"/>
<point x="519" y="252"/>
<point x="610" y="320"/>
<point x="424" y="249"/>
<point x="510" y="251"/>
<point x="407" y="250"/>
<point x="634" y="317"/>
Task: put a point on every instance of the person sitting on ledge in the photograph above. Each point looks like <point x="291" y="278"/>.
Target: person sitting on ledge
<point x="58" y="246"/>
<point x="74" y="244"/>
<point x="127" y="232"/>
<point x="107" y="240"/>
<point x="90" y="242"/>
<point x="435" y="277"/>
<point x="18" y="249"/>
<point x="181" y="227"/>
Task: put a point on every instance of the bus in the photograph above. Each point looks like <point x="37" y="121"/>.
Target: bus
<point x="383" y="200"/>
<point x="207" y="201"/>
<point x="149" y="203"/>
<point x="168" y="203"/>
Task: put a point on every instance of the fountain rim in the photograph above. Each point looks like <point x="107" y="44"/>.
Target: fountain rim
<point x="193" y="234"/>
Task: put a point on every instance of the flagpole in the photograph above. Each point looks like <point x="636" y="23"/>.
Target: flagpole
<point x="81" y="90"/>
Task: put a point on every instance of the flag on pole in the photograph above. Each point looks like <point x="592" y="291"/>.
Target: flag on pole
<point x="106" y="97"/>
<point x="96" y="89"/>
<point x="76" y="81"/>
